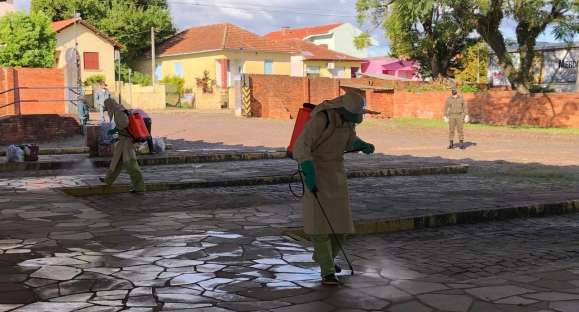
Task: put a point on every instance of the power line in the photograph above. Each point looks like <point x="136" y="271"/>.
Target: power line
<point x="261" y="9"/>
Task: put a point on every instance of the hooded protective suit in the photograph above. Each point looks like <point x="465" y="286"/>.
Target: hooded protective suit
<point x="324" y="140"/>
<point x="124" y="154"/>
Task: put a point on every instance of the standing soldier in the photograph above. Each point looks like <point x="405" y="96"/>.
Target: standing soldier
<point x="320" y="152"/>
<point x="456" y="114"/>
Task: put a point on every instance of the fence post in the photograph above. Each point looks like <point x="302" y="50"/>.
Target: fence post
<point x="306" y="89"/>
<point x="17" y="109"/>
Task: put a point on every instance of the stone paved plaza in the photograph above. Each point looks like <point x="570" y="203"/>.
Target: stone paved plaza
<point x="233" y="249"/>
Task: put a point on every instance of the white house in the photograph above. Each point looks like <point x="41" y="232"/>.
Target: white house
<point x="7" y="7"/>
<point x="338" y="37"/>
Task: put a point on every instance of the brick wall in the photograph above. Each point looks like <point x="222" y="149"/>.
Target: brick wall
<point x="36" y="128"/>
<point x="281" y="97"/>
<point x="30" y="98"/>
<point x="496" y="107"/>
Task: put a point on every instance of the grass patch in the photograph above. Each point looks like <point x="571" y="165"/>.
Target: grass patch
<point x="440" y="124"/>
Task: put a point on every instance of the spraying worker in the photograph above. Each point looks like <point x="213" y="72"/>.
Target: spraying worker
<point x="456" y="114"/>
<point x="320" y="152"/>
<point x="124" y="154"/>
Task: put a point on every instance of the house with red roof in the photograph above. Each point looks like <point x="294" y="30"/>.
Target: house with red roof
<point x="218" y="54"/>
<point x="96" y="50"/>
<point x="337" y="37"/>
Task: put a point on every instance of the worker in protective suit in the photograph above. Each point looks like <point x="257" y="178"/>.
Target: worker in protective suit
<point x="124" y="155"/>
<point x="456" y="114"/>
<point x="320" y="153"/>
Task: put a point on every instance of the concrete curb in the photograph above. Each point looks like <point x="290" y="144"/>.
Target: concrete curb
<point x="199" y="158"/>
<point x="58" y="151"/>
<point x="172" y="159"/>
<point x="455" y="218"/>
<point x="84" y="191"/>
<point x="68" y="150"/>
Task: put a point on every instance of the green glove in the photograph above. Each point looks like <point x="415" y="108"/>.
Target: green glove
<point x="112" y="131"/>
<point x="309" y="172"/>
<point x="366" y="148"/>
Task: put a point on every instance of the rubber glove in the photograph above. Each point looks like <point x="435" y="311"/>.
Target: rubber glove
<point x="112" y="131"/>
<point x="309" y="172"/>
<point x="366" y="148"/>
<point x="445" y="119"/>
<point x="466" y="119"/>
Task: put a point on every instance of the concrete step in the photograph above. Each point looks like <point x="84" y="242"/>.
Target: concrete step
<point x="172" y="158"/>
<point x="393" y="225"/>
<point x="264" y="180"/>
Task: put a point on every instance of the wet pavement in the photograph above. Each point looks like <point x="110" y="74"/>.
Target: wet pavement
<point x="66" y="254"/>
<point x="227" y="249"/>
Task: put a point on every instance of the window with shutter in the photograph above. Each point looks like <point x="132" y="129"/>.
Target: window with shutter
<point x="91" y="60"/>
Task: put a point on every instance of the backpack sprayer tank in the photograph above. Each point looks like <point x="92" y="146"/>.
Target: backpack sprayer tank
<point x="137" y="128"/>
<point x="303" y="118"/>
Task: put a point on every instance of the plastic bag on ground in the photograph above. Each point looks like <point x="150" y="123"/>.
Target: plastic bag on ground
<point x="159" y="145"/>
<point x="104" y="136"/>
<point x="14" y="154"/>
<point x="142" y="148"/>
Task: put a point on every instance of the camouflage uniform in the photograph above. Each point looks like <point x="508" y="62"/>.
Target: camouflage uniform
<point x="455" y="110"/>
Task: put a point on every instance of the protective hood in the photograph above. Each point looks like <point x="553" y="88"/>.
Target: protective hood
<point x="352" y="102"/>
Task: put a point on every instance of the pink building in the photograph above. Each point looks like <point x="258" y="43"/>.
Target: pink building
<point x="384" y="65"/>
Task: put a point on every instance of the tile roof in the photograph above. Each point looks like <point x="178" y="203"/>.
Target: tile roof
<point x="59" y="26"/>
<point x="218" y="37"/>
<point x="301" y="33"/>
<point x="312" y="52"/>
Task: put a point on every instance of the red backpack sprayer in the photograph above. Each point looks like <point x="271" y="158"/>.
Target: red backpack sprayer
<point x="301" y="120"/>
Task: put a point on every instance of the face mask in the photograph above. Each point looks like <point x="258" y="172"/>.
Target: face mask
<point x="351" y="117"/>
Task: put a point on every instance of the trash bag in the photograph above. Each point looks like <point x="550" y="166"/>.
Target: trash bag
<point x="104" y="136"/>
<point x="14" y="154"/>
<point x="159" y="145"/>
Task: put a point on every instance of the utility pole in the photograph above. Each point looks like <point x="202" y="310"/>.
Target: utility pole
<point x="130" y="88"/>
<point x="478" y="64"/>
<point x="153" y="56"/>
<point x="119" y="83"/>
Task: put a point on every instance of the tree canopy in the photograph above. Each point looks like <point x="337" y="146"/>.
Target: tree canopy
<point x="27" y="40"/>
<point x="424" y="30"/>
<point x="128" y="21"/>
<point x="532" y="18"/>
<point x="437" y="31"/>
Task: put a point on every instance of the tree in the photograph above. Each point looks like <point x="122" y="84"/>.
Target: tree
<point x="475" y="62"/>
<point x="424" y="30"/>
<point x="27" y="40"/>
<point x="131" y="24"/>
<point x="128" y="21"/>
<point x="532" y="18"/>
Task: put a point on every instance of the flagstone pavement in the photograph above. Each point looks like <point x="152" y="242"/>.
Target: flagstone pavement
<point x="227" y="249"/>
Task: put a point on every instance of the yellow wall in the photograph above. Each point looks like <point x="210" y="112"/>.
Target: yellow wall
<point x="325" y="72"/>
<point x="255" y="61"/>
<point x="194" y="65"/>
<point x="88" y="41"/>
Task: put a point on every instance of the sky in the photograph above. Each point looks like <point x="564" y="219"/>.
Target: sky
<point x="263" y="16"/>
